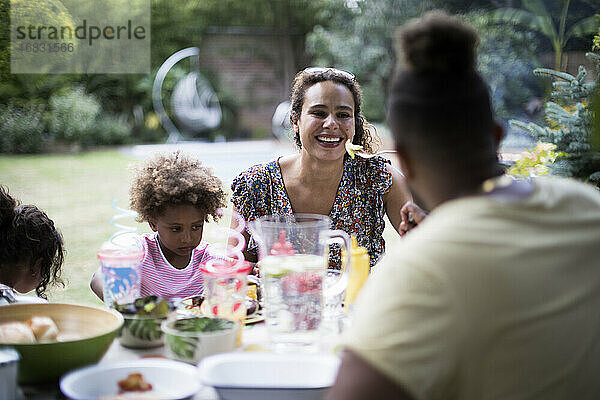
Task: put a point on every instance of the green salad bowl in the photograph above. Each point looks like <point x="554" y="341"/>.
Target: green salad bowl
<point x="191" y="339"/>
<point x="86" y="333"/>
<point x="141" y="332"/>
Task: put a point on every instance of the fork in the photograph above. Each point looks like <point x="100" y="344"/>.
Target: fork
<point x="362" y="154"/>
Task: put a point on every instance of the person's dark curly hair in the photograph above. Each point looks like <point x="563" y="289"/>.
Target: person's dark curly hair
<point x="364" y="133"/>
<point x="172" y="179"/>
<point x="28" y="239"/>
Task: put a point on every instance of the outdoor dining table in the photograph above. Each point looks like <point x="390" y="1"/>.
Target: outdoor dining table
<point x="254" y="338"/>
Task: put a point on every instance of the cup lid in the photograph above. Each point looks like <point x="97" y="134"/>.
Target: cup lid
<point x="221" y="267"/>
<point x="124" y="246"/>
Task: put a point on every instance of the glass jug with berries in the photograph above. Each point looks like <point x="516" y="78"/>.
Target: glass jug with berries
<point x="293" y="261"/>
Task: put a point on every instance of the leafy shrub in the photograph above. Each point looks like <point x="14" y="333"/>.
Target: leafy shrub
<point x="109" y="130"/>
<point x="505" y="60"/>
<point x="73" y="115"/>
<point x="569" y="123"/>
<point x="21" y="130"/>
<point x="535" y="162"/>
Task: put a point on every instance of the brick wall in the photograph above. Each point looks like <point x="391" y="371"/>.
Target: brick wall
<point x="252" y="69"/>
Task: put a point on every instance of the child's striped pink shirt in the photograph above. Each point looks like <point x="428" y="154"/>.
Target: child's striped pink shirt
<point x="160" y="278"/>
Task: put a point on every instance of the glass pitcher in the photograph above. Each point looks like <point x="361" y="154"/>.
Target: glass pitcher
<point x="293" y="261"/>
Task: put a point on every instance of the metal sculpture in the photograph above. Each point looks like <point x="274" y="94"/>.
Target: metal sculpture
<point x="194" y="103"/>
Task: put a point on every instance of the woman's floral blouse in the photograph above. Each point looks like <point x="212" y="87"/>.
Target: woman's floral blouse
<point x="358" y="207"/>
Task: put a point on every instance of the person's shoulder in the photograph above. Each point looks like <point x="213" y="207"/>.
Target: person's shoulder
<point x="149" y="243"/>
<point x="374" y="172"/>
<point x="255" y="174"/>
<point x="568" y="187"/>
<point x="148" y="237"/>
<point x="259" y="169"/>
<point x="203" y="252"/>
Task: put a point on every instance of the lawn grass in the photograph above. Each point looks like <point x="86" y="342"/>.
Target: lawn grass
<point x="76" y="191"/>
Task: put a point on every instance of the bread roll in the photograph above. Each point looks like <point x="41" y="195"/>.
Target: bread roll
<point x="16" y="332"/>
<point x="43" y="328"/>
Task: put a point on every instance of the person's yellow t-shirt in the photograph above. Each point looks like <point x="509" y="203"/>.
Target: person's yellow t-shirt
<point x="491" y="299"/>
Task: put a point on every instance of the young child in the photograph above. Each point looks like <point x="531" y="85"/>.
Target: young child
<point x="31" y="250"/>
<point x="176" y="196"/>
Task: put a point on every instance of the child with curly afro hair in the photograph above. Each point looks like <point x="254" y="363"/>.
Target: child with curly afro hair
<point x="31" y="250"/>
<point x="175" y="195"/>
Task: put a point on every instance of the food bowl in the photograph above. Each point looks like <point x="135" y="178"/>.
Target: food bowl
<point x="274" y="376"/>
<point x="142" y="320"/>
<point x="88" y="333"/>
<point x="141" y="332"/>
<point x="170" y="380"/>
<point x="191" y="339"/>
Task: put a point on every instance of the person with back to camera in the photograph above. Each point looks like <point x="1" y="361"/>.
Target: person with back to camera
<point x="31" y="251"/>
<point x="496" y="294"/>
<point x="322" y="178"/>
<point x="176" y="196"/>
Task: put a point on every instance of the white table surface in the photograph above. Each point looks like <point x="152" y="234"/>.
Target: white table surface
<point x="254" y="338"/>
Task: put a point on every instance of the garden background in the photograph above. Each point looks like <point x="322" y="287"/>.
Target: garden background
<point x="66" y="141"/>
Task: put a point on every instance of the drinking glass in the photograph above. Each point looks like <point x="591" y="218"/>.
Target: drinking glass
<point x="120" y="260"/>
<point x="225" y="287"/>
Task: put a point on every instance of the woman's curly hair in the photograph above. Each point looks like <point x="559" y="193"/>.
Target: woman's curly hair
<point x="365" y="134"/>
<point x="171" y="179"/>
<point x="28" y="238"/>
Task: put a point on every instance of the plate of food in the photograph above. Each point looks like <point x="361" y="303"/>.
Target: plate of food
<point x="196" y="305"/>
<point x="141" y="379"/>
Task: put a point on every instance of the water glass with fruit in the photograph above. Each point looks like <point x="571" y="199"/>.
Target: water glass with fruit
<point x="293" y="261"/>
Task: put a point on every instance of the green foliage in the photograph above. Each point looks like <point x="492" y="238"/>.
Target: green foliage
<point x="535" y="162"/>
<point x="505" y="60"/>
<point x="73" y="115"/>
<point x="202" y="324"/>
<point x="47" y="12"/>
<point x="596" y="42"/>
<point x="109" y="130"/>
<point x="4" y="39"/>
<point x="21" y="129"/>
<point x="144" y="328"/>
<point x="360" y="39"/>
<point x="175" y="25"/>
<point x="537" y="16"/>
<point x="570" y="120"/>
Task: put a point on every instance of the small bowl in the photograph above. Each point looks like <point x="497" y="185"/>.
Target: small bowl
<point x="141" y="332"/>
<point x="92" y="330"/>
<point x="142" y="320"/>
<point x="185" y="342"/>
<point x="273" y="376"/>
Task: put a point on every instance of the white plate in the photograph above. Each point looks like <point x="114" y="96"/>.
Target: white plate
<point x="171" y="380"/>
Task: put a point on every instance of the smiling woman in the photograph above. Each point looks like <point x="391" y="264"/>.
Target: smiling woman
<point x="321" y="178"/>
